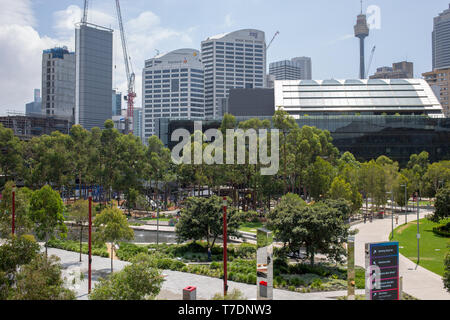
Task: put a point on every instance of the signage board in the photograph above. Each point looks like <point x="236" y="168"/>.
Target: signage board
<point x="382" y="271"/>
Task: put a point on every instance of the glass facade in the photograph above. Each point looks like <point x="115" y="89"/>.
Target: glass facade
<point x="367" y="137"/>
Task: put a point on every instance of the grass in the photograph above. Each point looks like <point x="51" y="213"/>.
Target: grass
<point x="251" y="227"/>
<point x="433" y="248"/>
<point x="154" y="219"/>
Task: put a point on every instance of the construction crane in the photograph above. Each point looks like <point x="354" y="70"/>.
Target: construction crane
<point x="85" y="11"/>
<point x="129" y="72"/>
<point x="370" y="61"/>
<point x="270" y="43"/>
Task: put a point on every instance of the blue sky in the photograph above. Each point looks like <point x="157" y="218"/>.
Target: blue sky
<point x="321" y="29"/>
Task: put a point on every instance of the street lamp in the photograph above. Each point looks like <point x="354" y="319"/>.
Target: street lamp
<point x="13" y="222"/>
<point x="392" y="212"/>
<point x="225" y="235"/>
<point x="418" y="232"/>
<point x="90" y="243"/>
<point x="157" y="222"/>
<point x="406" y="203"/>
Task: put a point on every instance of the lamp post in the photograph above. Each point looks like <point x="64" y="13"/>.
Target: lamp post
<point x="418" y="233"/>
<point x="90" y="243"/>
<point x="225" y="235"/>
<point x="392" y="213"/>
<point x="157" y="223"/>
<point x="406" y="203"/>
<point x="13" y="222"/>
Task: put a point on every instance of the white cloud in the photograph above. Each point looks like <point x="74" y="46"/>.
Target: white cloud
<point x="21" y="53"/>
<point x="342" y="38"/>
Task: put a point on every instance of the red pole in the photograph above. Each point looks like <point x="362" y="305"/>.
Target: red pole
<point x="225" y="236"/>
<point x="90" y="242"/>
<point x="13" y="211"/>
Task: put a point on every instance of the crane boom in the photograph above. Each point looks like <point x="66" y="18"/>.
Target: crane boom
<point x="129" y="73"/>
<point x="85" y="11"/>
<point x="370" y="61"/>
<point x="270" y="43"/>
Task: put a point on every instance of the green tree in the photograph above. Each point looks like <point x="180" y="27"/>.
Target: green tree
<point x="109" y="152"/>
<point x="22" y="223"/>
<point x="11" y="160"/>
<point x="442" y="204"/>
<point x="112" y="226"/>
<point x="79" y="213"/>
<point x="41" y="279"/>
<point x="46" y="212"/>
<point x="80" y="153"/>
<point x="320" y="227"/>
<point x="437" y="175"/>
<point x="14" y="253"/>
<point x="203" y="218"/>
<point x="139" y="281"/>
<point x="319" y="178"/>
<point x="340" y="189"/>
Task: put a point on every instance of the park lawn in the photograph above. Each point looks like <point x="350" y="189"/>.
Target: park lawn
<point x="251" y="227"/>
<point x="433" y="248"/>
<point x="154" y="219"/>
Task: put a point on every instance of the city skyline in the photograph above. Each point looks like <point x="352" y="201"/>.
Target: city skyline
<point x="405" y="33"/>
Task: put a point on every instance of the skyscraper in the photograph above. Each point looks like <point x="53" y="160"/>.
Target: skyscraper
<point x="305" y="67"/>
<point x="285" y="70"/>
<point x="172" y="87"/>
<point x="441" y="40"/>
<point x="94" y="70"/>
<point x="34" y="107"/>
<point x="232" y="60"/>
<point x="58" y="82"/>
<point x="116" y="103"/>
<point x="294" y="69"/>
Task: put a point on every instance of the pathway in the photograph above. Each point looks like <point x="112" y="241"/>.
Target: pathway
<point x="417" y="281"/>
<point x="174" y="282"/>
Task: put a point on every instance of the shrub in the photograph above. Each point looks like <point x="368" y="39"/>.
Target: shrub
<point x="235" y="294"/>
<point x="443" y="230"/>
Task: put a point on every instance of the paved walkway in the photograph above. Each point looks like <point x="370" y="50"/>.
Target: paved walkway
<point x="174" y="282"/>
<point x="417" y="281"/>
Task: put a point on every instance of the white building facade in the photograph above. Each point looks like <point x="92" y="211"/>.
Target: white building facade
<point x="172" y="87"/>
<point x="232" y="60"/>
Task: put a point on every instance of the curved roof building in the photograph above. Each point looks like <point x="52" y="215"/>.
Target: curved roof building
<point x="350" y="97"/>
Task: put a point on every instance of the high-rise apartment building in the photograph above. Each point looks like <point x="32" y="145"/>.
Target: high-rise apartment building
<point x="305" y="64"/>
<point x="58" y="82"/>
<point x="285" y="70"/>
<point x="94" y="70"/>
<point x="137" y="122"/>
<point x="34" y="107"/>
<point x="439" y="80"/>
<point x="399" y="70"/>
<point x="116" y="103"/>
<point x="295" y="69"/>
<point x="441" y="40"/>
<point x="232" y="60"/>
<point x="172" y="87"/>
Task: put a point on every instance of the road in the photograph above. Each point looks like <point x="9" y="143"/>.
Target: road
<point x="417" y="281"/>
